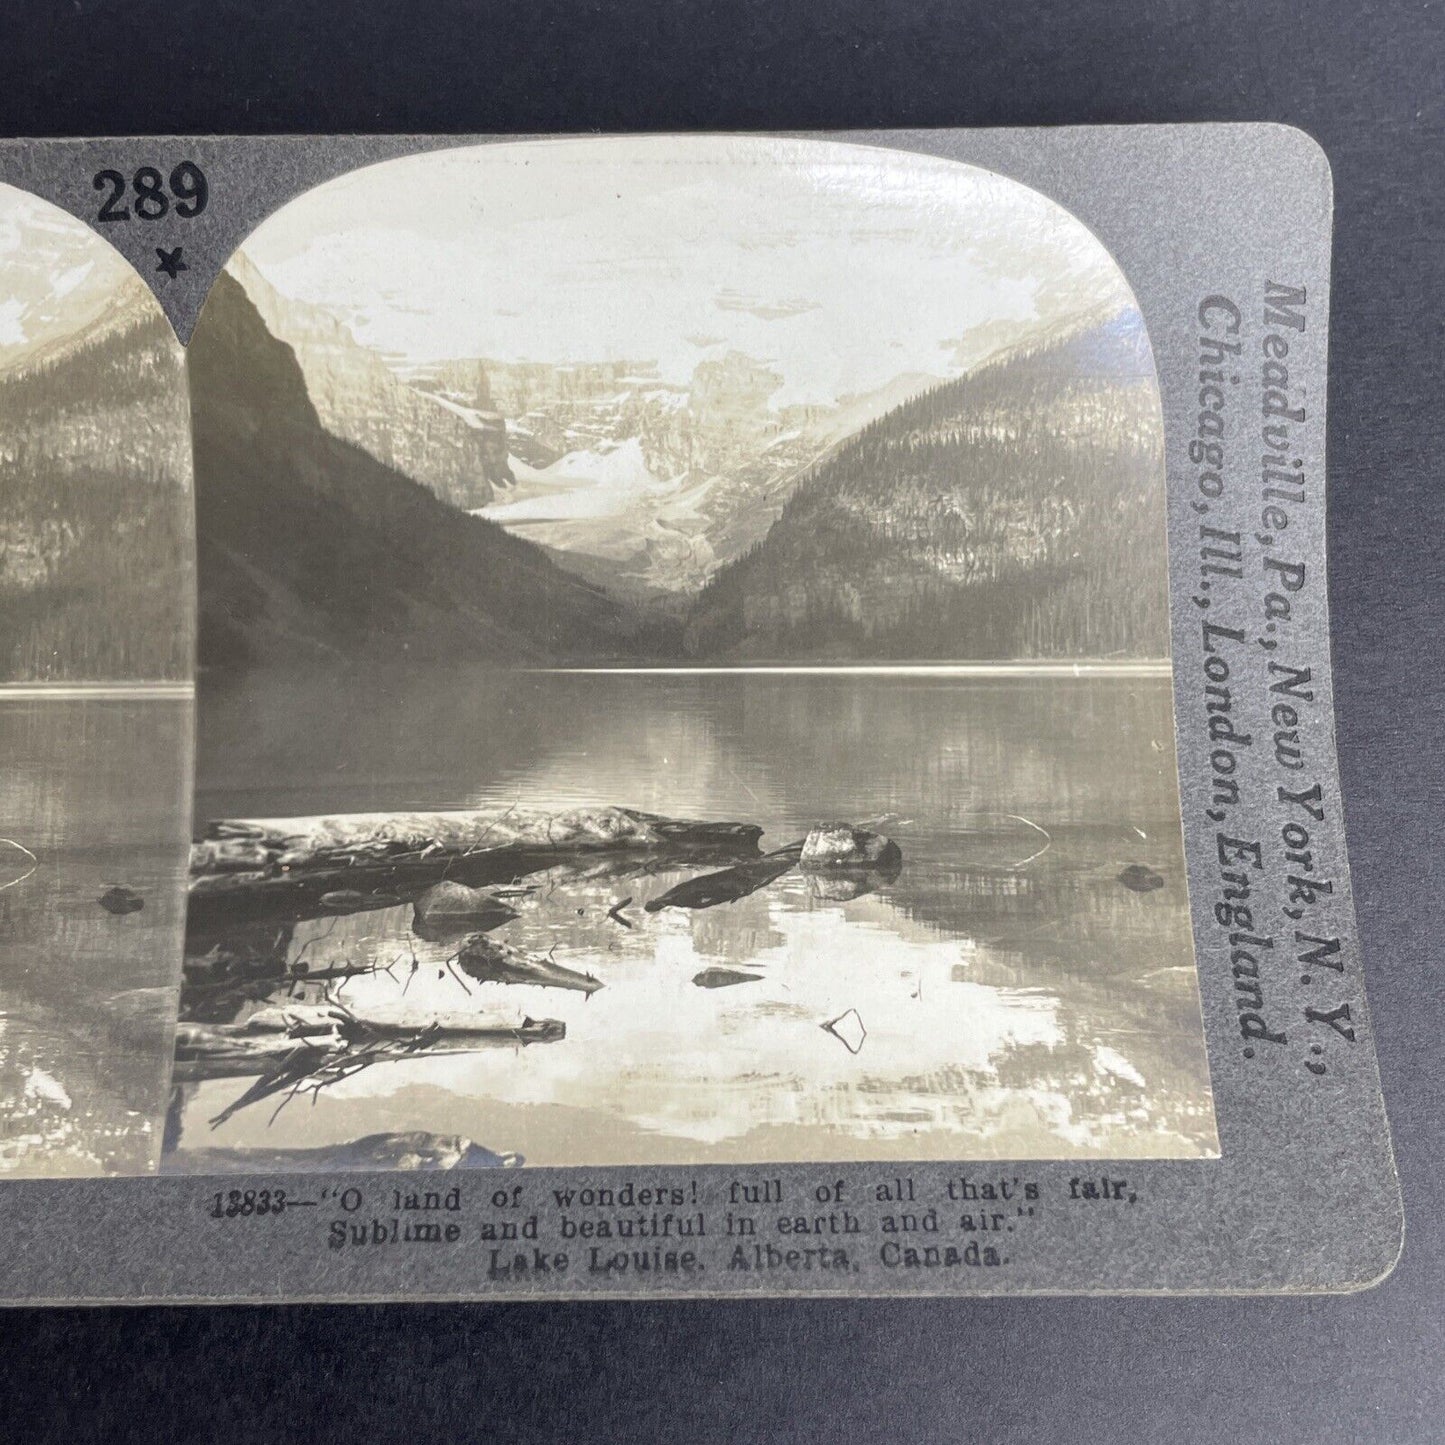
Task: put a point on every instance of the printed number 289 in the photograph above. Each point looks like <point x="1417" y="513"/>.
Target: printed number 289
<point x="186" y="192"/>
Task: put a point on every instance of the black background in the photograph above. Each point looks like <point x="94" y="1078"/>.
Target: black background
<point x="1367" y="80"/>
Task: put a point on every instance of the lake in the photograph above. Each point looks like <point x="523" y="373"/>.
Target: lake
<point x="92" y="797"/>
<point x="1005" y="996"/>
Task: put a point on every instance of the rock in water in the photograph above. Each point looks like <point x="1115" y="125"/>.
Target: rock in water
<point x="723" y="977"/>
<point x="120" y="900"/>
<point x="1140" y="879"/>
<point x="448" y="904"/>
<point x="349" y="900"/>
<point x="841" y="845"/>
<point x="488" y="960"/>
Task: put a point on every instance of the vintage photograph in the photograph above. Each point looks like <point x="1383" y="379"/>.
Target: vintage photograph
<point x="683" y="674"/>
<point x="96" y="609"/>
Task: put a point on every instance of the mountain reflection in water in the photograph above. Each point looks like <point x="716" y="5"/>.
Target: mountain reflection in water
<point x="93" y="790"/>
<point x="1018" y="1000"/>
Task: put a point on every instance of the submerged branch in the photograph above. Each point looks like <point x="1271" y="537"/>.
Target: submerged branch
<point x="840" y="861"/>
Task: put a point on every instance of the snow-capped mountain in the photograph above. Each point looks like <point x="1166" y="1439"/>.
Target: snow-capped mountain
<point x="58" y="282"/>
<point x="601" y="462"/>
<point x="664" y="482"/>
<point x="626" y="475"/>
<point x="453" y="443"/>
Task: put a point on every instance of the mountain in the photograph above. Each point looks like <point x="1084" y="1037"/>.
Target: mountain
<point x="551" y="407"/>
<point x="455" y="443"/>
<point x="60" y="280"/>
<point x="311" y="548"/>
<point x="95" y="510"/>
<point x="664" y="482"/>
<point x="1015" y="512"/>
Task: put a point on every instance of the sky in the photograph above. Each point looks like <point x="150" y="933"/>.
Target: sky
<point x="840" y="266"/>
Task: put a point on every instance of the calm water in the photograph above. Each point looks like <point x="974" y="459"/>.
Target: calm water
<point x="90" y="797"/>
<point x="1018" y="1001"/>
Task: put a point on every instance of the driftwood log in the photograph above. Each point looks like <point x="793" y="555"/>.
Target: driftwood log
<point x="287" y="867"/>
<point x="303" y="1039"/>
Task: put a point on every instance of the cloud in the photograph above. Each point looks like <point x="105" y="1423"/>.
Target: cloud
<point x="839" y="266"/>
<point x="764" y="310"/>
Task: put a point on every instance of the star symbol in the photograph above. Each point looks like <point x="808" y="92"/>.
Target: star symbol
<point x="170" y="261"/>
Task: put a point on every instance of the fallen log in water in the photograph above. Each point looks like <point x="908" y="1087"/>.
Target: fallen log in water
<point x="299" y="1021"/>
<point x="286" y="867"/>
<point x="203" y="1053"/>
<point x="302" y="1040"/>
<point x="292" y="1051"/>
<point x="303" y="843"/>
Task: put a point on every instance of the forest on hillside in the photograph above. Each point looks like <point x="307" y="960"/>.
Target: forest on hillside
<point x="1016" y="512"/>
<point x="95" y="509"/>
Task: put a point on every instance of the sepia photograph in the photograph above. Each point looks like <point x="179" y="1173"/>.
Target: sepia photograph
<point x="96" y="640"/>
<point x="717" y="722"/>
<point x="680" y="631"/>
<point x="683" y="674"/>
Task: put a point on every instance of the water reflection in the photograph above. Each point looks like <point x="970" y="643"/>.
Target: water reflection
<point x="92" y="789"/>
<point x="1017" y="999"/>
